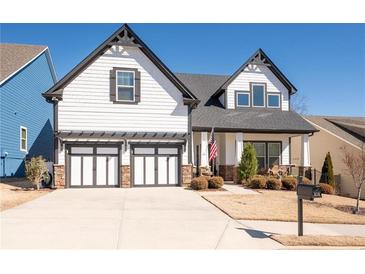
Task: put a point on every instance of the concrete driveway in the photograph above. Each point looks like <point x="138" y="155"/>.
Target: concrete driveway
<point x="169" y="217"/>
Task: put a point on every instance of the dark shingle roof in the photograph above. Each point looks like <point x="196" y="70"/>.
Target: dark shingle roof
<point x="351" y="129"/>
<point x="15" y="56"/>
<point x="211" y="113"/>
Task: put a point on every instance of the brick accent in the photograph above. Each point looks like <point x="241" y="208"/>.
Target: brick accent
<point x="59" y="176"/>
<point x="229" y="173"/>
<point x="125" y="176"/>
<point x="187" y="174"/>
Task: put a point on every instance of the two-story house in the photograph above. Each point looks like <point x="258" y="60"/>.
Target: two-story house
<point x="26" y="71"/>
<point x="122" y="118"/>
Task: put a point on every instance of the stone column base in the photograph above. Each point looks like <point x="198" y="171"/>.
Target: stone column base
<point x="125" y="176"/>
<point x="229" y="173"/>
<point x="59" y="176"/>
<point x="187" y="174"/>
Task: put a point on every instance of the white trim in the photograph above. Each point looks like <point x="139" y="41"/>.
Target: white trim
<point x="264" y="97"/>
<point x="21" y="139"/>
<point x="117" y="85"/>
<point x="249" y="98"/>
<point x="330" y="132"/>
<point x="26" y="64"/>
<point x="273" y="94"/>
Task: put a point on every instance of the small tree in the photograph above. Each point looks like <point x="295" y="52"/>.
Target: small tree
<point x="327" y="175"/>
<point x="36" y="170"/>
<point x="247" y="167"/>
<point x="355" y="164"/>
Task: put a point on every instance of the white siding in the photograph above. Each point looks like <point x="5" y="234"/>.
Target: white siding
<point x="257" y="74"/>
<point x="86" y="104"/>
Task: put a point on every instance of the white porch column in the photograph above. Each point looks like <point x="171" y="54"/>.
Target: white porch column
<point x="204" y="149"/>
<point x="305" y="152"/>
<point x="239" y="147"/>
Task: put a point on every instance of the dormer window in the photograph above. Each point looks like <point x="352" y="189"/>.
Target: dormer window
<point x="242" y="99"/>
<point x="258" y="95"/>
<point x="125" y="86"/>
<point x="273" y="100"/>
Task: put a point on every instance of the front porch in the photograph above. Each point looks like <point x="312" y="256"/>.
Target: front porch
<point x="271" y="149"/>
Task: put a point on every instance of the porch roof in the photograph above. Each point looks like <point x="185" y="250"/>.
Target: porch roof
<point x="210" y="112"/>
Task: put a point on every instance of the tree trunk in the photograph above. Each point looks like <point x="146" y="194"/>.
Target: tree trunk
<point x="357" y="209"/>
<point x="38" y="185"/>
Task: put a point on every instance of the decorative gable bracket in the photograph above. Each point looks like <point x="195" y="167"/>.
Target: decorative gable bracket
<point x="123" y="39"/>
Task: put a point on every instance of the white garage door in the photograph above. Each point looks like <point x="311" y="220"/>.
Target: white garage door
<point x="93" y="166"/>
<point x="153" y="166"/>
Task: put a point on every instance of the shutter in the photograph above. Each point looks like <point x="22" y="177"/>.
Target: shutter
<point x="138" y="86"/>
<point x="113" y="97"/>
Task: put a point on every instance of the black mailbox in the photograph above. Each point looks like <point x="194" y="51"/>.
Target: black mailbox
<point x="308" y="192"/>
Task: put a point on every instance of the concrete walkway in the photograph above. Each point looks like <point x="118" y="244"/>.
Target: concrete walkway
<point x="125" y="218"/>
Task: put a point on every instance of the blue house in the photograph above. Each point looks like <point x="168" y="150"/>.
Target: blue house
<point x="26" y="120"/>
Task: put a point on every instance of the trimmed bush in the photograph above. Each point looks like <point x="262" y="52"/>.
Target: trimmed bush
<point x="215" y="182"/>
<point x="326" y="188"/>
<point x="258" y="182"/>
<point x="273" y="183"/>
<point x="306" y="181"/>
<point x="199" y="183"/>
<point x="289" y="183"/>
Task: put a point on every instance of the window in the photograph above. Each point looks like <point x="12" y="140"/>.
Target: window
<point x="273" y="100"/>
<point x="274" y="152"/>
<point x="125" y="86"/>
<point x="260" y="155"/>
<point x="23" y="139"/>
<point x="242" y="99"/>
<point x="258" y="95"/>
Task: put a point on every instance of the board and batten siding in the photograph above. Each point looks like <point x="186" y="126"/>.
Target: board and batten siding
<point x="22" y="104"/>
<point x="257" y="74"/>
<point x="86" y="101"/>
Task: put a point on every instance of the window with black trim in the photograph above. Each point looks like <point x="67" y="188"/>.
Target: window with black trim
<point x="267" y="154"/>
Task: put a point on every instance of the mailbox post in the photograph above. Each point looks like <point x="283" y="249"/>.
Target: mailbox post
<point x="305" y="192"/>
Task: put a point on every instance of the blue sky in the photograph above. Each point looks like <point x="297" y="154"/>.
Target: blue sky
<point x="326" y="62"/>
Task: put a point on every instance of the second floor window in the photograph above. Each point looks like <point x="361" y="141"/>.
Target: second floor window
<point x="242" y="99"/>
<point x="125" y="86"/>
<point x="258" y="95"/>
<point x="273" y="100"/>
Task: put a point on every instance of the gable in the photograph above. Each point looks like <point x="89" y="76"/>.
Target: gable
<point x="123" y="37"/>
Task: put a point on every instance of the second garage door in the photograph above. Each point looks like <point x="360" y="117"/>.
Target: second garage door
<point x="156" y="166"/>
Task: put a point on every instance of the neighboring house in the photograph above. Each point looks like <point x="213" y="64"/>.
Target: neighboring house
<point x="335" y="132"/>
<point x="122" y="118"/>
<point x="26" y="71"/>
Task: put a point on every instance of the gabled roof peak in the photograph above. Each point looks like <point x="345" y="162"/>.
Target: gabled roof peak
<point x="259" y="58"/>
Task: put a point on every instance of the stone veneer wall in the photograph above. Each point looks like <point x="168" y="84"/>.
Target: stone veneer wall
<point x="125" y="176"/>
<point x="187" y="174"/>
<point x="229" y="173"/>
<point x="59" y="176"/>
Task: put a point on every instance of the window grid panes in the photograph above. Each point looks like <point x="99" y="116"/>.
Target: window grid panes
<point x="273" y="100"/>
<point x="125" y="85"/>
<point x="258" y="95"/>
<point x="267" y="154"/>
<point x="23" y="139"/>
<point x="243" y="99"/>
<point x="273" y="154"/>
<point x="260" y="155"/>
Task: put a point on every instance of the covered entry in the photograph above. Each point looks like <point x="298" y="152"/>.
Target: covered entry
<point x="93" y="166"/>
<point x="155" y="165"/>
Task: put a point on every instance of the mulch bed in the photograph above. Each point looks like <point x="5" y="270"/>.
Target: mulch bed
<point x="349" y="209"/>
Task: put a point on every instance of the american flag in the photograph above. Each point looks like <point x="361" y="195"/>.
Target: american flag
<point x="213" y="146"/>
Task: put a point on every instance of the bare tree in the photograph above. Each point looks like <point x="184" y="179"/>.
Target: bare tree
<point x="298" y="103"/>
<point x="355" y="164"/>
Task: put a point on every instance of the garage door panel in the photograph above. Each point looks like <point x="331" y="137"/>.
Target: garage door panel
<point x="112" y="171"/>
<point x="162" y="170"/>
<point x="150" y="170"/>
<point x="173" y="171"/>
<point x="87" y="171"/>
<point x="76" y="171"/>
<point x="101" y="170"/>
<point x="138" y="171"/>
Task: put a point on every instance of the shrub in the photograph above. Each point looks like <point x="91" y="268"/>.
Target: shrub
<point x="248" y="164"/>
<point x="327" y="175"/>
<point x="199" y="183"/>
<point x="306" y="181"/>
<point x="273" y="183"/>
<point x="36" y="170"/>
<point x="289" y="183"/>
<point x="258" y="182"/>
<point x="326" y="188"/>
<point x="215" y="182"/>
